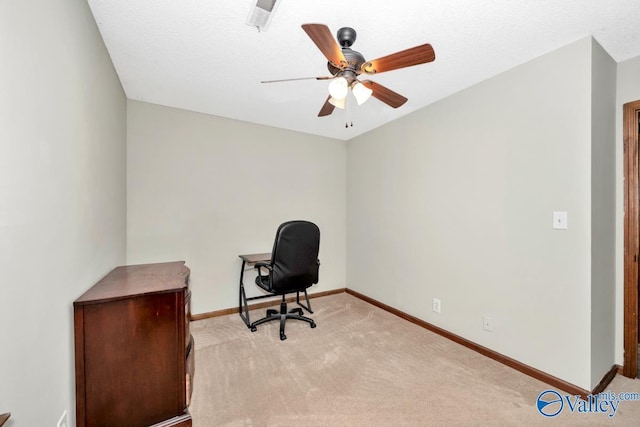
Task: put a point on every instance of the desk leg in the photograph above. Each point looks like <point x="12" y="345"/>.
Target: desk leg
<point x="306" y="297"/>
<point x="242" y="297"/>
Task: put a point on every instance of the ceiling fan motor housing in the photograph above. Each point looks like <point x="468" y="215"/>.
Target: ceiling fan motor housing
<point x="354" y="62"/>
<point x="346" y="37"/>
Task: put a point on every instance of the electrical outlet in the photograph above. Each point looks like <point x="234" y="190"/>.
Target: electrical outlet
<point x="437" y="305"/>
<point x="487" y="323"/>
<point x="62" y="422"/>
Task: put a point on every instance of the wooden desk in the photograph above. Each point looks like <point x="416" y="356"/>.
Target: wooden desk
<point x="253" y="258"/>
<point x="243" y="306"/>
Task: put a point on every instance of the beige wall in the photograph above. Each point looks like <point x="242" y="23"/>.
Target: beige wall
<point x="628" y="81"/>
<point x="62" y="195"/>
<point x="455" y="202"/>
<point x="205" y="189"/>
<point x="603" y="213"/>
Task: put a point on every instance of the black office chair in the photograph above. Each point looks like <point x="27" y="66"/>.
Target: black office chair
<point x="293" y="268"/>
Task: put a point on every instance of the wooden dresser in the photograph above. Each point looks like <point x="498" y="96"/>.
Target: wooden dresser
<point x="133" y="350"/>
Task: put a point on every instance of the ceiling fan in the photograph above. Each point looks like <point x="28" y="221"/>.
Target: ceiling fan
<point x="346" y="65"/>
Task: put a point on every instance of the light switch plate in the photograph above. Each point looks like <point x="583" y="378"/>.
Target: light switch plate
<point x="560" y="219"/>
<point x="437" y="305"/>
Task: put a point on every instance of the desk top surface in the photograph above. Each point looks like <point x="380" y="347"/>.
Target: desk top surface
<point x="253" y="258"/>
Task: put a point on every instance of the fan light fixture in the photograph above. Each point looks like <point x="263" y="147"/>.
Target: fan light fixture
<point x="361" y="92"/>
<point x="338" y="102"/>
<point x="339" y="89"/>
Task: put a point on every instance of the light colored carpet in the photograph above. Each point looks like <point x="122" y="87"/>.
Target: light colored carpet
<point x="363" y="366"/>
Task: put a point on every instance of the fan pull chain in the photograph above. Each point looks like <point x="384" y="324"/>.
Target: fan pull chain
<point x="347" y="112"/>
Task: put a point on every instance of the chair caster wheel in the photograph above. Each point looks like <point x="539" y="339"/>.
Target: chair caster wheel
<point x="253" y="329"/>
<point x="283" y="337"/>
<point x="313" y="325"/>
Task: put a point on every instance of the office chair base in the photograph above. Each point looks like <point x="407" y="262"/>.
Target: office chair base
<point x="283" y="315"/>
<point x="243" y="307"/>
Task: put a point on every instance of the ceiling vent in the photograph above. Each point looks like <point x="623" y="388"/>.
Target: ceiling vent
<point x="261" y="13"/>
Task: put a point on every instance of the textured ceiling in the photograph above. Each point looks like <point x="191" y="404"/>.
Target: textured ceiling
<point x="199" y="55"/>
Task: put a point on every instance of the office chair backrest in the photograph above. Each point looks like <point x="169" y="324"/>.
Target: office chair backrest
<point x="294" y="257"/>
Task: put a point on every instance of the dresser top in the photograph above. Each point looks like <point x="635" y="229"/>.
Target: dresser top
<point x="131" y="280"/>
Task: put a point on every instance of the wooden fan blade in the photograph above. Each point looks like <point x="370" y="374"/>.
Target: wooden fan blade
<point x="327" y="108"/>
<point x="299" y="78"/>
<point x="321" y="36"/>
<point x="405" y="58"/>
<point x="384" y="94"/>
